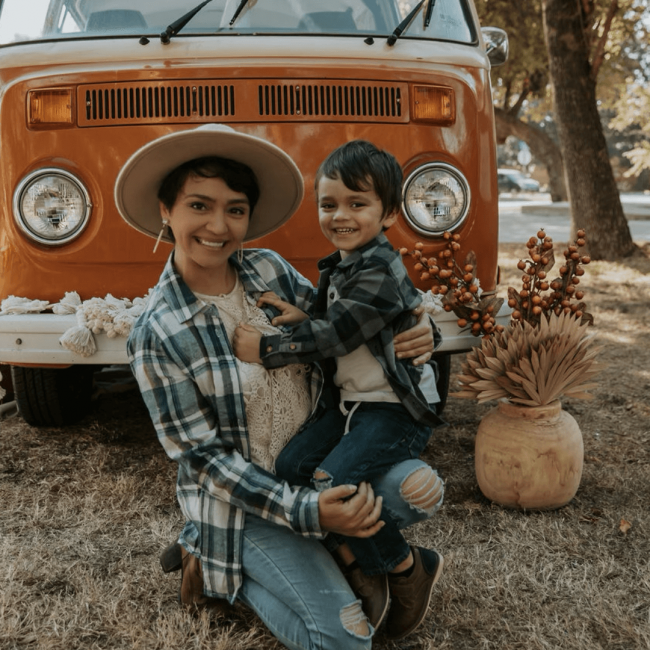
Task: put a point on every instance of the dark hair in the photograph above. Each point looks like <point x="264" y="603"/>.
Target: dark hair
<point x="237" y="176"/>
<point x="362" y="166"/>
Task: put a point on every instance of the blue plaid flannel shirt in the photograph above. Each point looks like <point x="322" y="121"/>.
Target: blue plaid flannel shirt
<point x="186" y="370"/>
<point x="376" y="299"/>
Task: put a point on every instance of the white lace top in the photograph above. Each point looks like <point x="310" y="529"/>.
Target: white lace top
<point x="277" y="401"/>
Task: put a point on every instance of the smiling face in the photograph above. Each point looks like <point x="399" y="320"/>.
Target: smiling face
<point x="209" y="221"/>
<point x="350" y="218"/>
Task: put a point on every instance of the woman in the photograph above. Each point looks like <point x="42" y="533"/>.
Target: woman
<point x="248" y="536"/>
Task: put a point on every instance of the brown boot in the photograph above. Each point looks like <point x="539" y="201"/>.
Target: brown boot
<point x="171" y="558"/>
<point x="410" y="597"/>
<point x="372" y="591"/>
<point x="192" y="586"/>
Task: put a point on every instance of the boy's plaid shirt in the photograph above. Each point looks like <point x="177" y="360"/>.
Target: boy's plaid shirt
<point x="376" y="298"/>
<point x="187" y="373"/>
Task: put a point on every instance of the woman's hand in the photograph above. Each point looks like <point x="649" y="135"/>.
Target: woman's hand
<point x="353" y="516"/>
<point x="290" y="314"/>
<point x="416" y="342"/>
<point x="246" y="343"/>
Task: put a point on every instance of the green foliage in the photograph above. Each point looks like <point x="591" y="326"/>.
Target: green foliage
<point x="624" y="85"/>
<point x="619" y="52"/>
<point x="626" y="54"/>
<point x="632" y="109"/>
<point x="623" y="53"/>
<point x="527" y="65"/>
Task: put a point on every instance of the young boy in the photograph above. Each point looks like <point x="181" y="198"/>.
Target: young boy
<point x="386" y="406"/>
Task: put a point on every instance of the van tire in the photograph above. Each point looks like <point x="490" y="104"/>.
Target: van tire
<point x="444" y="375"/>
<point x="53" y="397"/>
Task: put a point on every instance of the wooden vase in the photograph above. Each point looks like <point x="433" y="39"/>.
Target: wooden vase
<point x="529" y="456"/>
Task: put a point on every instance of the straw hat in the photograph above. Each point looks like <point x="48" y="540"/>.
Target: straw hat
<point x="278" y="177"/>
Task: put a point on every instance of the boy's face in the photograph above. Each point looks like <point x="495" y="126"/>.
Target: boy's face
<point x="350" y="219"/>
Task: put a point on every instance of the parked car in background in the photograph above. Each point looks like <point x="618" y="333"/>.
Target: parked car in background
<point x="85" y="83"/>
<point x="513" y="180"/>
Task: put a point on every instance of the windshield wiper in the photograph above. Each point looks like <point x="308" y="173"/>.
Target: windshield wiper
<point x="177" y="25"/>
<point x="404" y="25"/>
<point x="427" y="15"/>
<point x="239" y="9"/>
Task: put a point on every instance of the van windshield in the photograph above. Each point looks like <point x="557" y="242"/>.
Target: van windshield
<point x="68" y="19"/>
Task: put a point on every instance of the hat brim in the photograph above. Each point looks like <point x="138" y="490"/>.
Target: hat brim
<point x="279" y="179"/>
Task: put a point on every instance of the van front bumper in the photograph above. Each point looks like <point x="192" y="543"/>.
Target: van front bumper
<point x="455" y="340"/>
<point x="33" y="339"/>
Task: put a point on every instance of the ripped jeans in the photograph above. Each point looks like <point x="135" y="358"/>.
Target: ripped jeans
<point x="295" y="586"/>
<point x="380" y="436"/>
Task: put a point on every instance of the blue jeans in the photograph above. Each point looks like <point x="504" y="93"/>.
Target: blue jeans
<point x="295" y="586"/>
<point x="380" y="436"/>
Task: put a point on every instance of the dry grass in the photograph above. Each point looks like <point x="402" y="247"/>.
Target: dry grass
<point x="85" y="511"/>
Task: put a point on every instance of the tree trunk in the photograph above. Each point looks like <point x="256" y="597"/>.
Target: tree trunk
<point x="540" y="144"/>
<point x="594" y="198"/>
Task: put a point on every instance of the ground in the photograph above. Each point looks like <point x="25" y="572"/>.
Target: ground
<point x="86" y="510"/>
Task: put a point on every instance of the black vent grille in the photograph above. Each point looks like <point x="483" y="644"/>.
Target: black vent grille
<point x="330" y="100"/>
<point x="144" y="103"/>
<point x="236" y="100"/>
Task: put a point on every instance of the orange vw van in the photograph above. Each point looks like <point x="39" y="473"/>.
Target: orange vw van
<point x="84" y="83"/>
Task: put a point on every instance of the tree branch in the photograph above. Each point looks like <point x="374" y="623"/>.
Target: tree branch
<point x="587" y="20"/>
<point x="506" y="97"/>
<point x="516" y="107"/>
<point x="599" y="52"/>
<point x="587" y="9"/>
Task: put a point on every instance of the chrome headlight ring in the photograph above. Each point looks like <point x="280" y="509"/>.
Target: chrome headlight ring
<point x="51" y="206"/>
<point x="436" y="198"/>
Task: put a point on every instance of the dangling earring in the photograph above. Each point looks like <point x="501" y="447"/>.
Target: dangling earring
<point x="160" y="234"/>
<point x="240" y="253"/>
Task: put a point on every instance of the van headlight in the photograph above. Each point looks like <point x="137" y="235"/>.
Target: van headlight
<point x="51" y="206"/>
<point x="436" y="198"/>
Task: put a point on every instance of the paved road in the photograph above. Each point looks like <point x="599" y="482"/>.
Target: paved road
<point x="521" y="217"/>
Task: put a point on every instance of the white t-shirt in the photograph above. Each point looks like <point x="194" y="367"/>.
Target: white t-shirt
<point x="362" y="379"/>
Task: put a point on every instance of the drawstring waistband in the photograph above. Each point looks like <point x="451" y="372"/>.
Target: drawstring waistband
<point x="349" y="413"/>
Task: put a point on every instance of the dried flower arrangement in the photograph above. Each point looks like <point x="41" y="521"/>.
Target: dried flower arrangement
<point x="544" y="352"/>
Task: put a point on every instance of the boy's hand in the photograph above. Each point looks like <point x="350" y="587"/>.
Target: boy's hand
<point x="416" y="342"/>
<point x="246" y="343"/>
<point x="290" y="314"/>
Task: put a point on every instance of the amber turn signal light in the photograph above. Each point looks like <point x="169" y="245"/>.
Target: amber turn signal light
<point x="433" y="104"/>
<point x="50" y="107"/>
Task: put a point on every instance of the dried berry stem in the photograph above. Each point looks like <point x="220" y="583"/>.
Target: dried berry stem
<point x="458" y="285"/>
<point x="538" y="296"/>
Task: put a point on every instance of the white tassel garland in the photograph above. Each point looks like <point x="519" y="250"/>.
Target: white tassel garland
<point x="112" y="315"/>
<point x="15" y="305"/>
<point x="68" y="304"/>
<point x="79" y="339"/>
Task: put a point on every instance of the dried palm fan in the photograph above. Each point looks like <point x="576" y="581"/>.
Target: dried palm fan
<point x="532" y="365"/>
